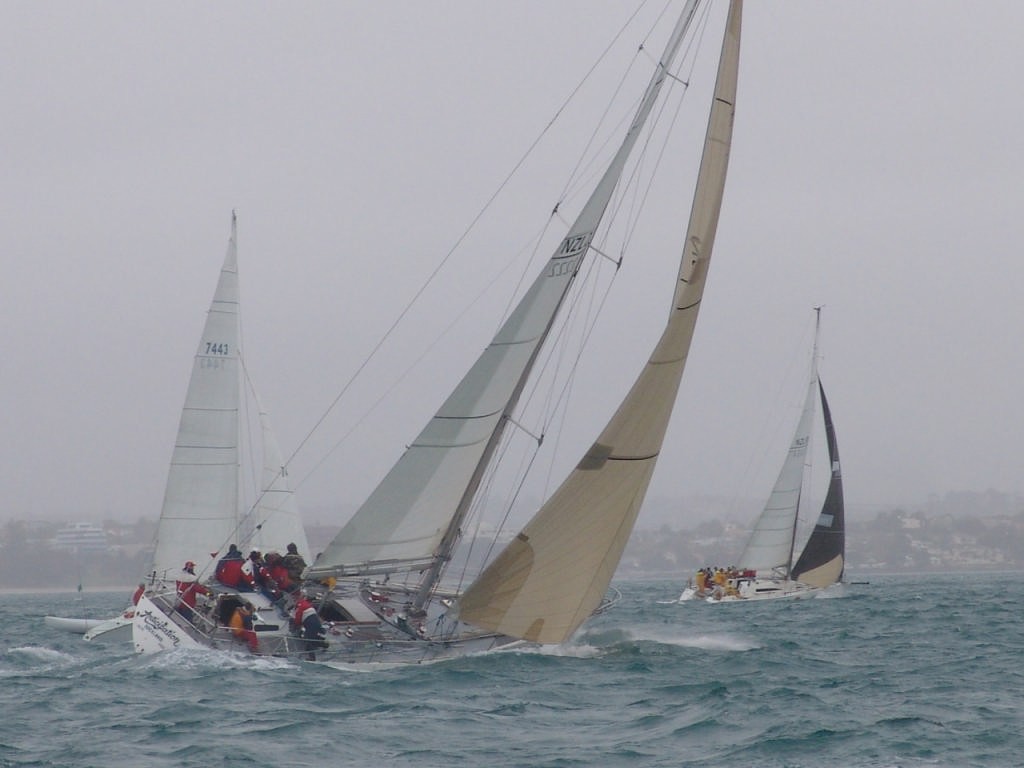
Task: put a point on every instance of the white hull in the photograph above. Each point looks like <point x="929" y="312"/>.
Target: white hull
<point x="376" y="636"/>
<point x="69" y="624"/>
<point x="117" y="629"/>
<point x="745" y="590"/>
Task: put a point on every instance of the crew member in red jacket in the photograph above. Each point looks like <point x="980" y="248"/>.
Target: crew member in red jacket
<point x="230" y="573"/>
<point x="279" y="573"/>
<point x="188" y="588"/>
<point x="311" y="629"/>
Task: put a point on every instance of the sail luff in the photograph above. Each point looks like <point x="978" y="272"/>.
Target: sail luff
<point x="546" y="582"/>
<point x="200" y="504"/>
<point x="277" y="518"/>
<point x="414" y="514"/>
<point x="771" y="542"/>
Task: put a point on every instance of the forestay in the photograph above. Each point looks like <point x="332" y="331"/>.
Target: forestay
<point x="200" y="508"/>
<point x="556" y="571"/>
<point x="771" y="544"/>
<point x="276" y="519"/>
<point x="823" y="558"/>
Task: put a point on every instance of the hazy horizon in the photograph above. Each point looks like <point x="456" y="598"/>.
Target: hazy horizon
<point x="876" y="169"/>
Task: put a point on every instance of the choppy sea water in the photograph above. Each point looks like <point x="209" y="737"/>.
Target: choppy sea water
<point x="905" y="671"/>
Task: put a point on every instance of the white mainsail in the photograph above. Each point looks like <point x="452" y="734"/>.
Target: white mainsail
<point x="200" y="509"/>
<point x="771" y="543"/>
<point x="201" y="512"/>
<point x="410" y="521"/>
<point x="555" y="573"/>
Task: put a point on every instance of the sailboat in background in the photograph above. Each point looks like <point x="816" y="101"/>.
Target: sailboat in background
<point x="379" y="584"/>
<point x="766" y="569"/>
<point x="203" y="509"/>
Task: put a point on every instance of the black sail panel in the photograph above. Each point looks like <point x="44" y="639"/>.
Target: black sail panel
<point x="822" y="561"/>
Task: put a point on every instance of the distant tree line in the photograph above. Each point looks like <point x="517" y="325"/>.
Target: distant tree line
<point x="891" y="541"/>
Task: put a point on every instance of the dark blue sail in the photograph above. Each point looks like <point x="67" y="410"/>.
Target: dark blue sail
<point x="823" y="559"/>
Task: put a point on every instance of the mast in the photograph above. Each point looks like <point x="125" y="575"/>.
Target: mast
<point x="771" y="543"/>
<point x="553" y="575"/>
<point x="800" y="491"/>
<point x="822" y="561"/>
<point x="201" y="496"/>
<point x="411" y="521"/>
<point x="582" y="231"/>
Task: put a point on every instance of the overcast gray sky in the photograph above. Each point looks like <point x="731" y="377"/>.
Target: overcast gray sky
<point x="876" y="169"/>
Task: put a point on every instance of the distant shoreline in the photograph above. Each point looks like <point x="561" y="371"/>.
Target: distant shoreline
<point x="65" y="590"/>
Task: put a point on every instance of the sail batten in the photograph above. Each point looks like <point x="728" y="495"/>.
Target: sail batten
<point x="201" y="510"/>
<point x="545" y="583"/>
<point x="200" y="507"/>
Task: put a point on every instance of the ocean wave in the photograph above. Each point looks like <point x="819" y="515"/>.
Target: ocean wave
<point x="703" y="641"/>
<point x="43" y="654"/>
<point x="198" y="659"/>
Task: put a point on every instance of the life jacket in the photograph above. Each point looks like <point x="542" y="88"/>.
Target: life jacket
<point x="307" y="618"/>
<point x="230" y="574"/>
<point x="187" y="591"/>
<point x="280" y="576"/>
<point x="301" y="607"/>
<point x="241" y="625"/>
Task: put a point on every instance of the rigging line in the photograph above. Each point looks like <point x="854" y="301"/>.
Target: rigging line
<point x="537" y="243"/>
<point x="255" y="482"/>
<point x="601" y="57"/>
<point x="458" y="242"/>
<point x="401" y="377"/>
<point x="809" y="482"/>
<point x="476" y="513"/>
<point x="631" y="227"/>
<point x="693" y="47"/>
<point x="583" y="174"/>
<point x="508" y="509"/>
<point x="243" y="417"/>
<point x="558" y="405"/>
<point x="633" y="218"/>
<point x="555" y="346"/>
<point x="581" y="179"/>
<point x="770" y="429"/>
<point x="592" y="168"/>
<point x="552" y="405"/>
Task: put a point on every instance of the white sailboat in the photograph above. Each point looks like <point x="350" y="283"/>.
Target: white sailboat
<point x="766" y="570"/>
<point x="379" y="584"/>
<point x="203" y="510"/>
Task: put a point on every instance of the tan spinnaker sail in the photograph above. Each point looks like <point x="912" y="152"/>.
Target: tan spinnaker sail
<point x="554" y="574"/>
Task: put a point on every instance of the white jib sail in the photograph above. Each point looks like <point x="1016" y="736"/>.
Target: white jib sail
<point x="200" y="508"/>
<point x="771" y="543"/>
